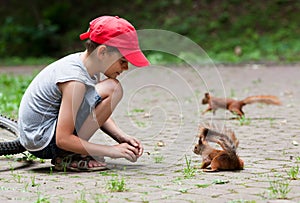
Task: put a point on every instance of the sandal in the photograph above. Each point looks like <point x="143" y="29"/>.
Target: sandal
<point x="81" y="162"/>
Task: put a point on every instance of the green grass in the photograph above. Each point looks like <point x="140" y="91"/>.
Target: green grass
<point x="244" y="121"/>
<point x="116" y="184"/>
<point x="82" y="198"/>
<point x="189" y="171"/>
<point x="214" y="182"/>
<point x="42" y="199"/>
<point x="12" y="88"/>
<point x="29" y="61"/>
<point x="158" y="159"/>
<point x="279" y="189"/>
<point x="293" y="172"/>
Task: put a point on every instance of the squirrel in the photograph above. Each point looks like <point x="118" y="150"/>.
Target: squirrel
<point x="225" y="159"/>
<point x="235" y="106"/>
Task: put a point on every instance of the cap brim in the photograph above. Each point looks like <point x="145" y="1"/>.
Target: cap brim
<point x="136" y="57"/>
<point x="84" y="36"/>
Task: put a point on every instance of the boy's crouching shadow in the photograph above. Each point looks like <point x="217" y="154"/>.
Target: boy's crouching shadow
<point x="12" y="165"/>
<point x="49" y="169"/>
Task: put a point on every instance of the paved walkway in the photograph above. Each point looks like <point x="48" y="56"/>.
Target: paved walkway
<point x="161" y="107"/>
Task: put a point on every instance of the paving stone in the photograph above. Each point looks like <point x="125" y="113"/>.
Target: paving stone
<point x="171" y="98"/>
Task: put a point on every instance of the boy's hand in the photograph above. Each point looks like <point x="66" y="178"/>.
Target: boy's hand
<point x="135" y="143"/>
<point x="138" y="145"/>
<point x="125" y="150"/>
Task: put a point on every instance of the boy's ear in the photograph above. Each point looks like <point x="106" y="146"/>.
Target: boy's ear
<point x="101" y="50"/>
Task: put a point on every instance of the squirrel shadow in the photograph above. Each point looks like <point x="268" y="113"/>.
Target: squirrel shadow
<point x="250" y="118"/>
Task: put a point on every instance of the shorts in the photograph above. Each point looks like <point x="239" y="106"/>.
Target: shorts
<point x="91" y="100"/>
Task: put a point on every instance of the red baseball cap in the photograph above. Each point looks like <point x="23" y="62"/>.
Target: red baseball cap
<point x="117" y="32"/>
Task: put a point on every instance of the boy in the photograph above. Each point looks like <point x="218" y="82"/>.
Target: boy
<point x="66" y="103"/>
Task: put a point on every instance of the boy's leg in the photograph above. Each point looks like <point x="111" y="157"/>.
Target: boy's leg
<point x="95" y="111"/>
<point x="110" y="92"/>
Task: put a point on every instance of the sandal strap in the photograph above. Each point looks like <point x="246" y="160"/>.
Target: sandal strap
<point x="84" y="162"/>
<point x="67" y="161"/>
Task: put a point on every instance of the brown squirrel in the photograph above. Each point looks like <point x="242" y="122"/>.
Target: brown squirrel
<point x="235" y="106"/>
<point x="225" y="159"/>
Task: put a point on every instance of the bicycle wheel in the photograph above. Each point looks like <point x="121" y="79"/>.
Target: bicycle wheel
<point x="9" y="139"/>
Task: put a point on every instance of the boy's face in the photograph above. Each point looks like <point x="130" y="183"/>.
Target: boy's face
<point x="119" y="64"/>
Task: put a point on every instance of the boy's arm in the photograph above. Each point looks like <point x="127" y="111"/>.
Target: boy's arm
<point x="110" y="128"/>
<point x="72" y="96"/>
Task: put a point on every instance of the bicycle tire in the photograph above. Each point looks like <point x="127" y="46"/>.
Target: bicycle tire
<point x="14" y="146"/>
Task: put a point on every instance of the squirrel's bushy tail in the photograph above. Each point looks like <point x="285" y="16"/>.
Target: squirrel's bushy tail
<point x="227" y="139"/>
<point x="266" y="99"/>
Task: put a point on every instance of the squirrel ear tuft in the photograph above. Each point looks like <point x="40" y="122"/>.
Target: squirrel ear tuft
<point x="203" y="131"/>
<point x="206" y="95"/>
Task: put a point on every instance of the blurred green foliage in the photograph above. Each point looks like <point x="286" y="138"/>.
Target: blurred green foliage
<point x="12" y="88"/>
<point x="229" y="31"/>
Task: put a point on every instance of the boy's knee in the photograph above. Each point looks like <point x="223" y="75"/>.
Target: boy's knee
<point x="114" y="87"/>
<point x="109" y="87"/>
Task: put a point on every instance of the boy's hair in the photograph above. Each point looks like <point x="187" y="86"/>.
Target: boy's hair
<point x="91" y="46"/>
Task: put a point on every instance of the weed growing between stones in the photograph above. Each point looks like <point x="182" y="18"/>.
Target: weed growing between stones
<point x="293" y="172"/>
<point x="244" y="121"/>
<point x="279" y="189"/>
<point x="188" y="171"/>
<point x="116" y="184"/>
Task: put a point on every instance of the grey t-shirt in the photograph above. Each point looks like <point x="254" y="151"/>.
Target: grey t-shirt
<point x="40" y="104"/>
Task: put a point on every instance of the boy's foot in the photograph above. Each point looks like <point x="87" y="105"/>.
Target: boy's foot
<point x="76" y="162"/>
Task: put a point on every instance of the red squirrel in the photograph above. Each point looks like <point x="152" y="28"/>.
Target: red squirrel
<point x="225" y="159"/>
<point x="235" y="106"/>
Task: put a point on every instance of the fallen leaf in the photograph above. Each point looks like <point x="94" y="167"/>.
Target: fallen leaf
<point x="295" y="143"/>
<point x="160" y="144"/>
